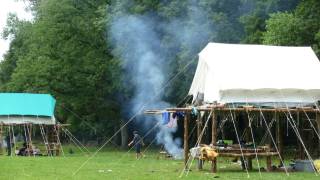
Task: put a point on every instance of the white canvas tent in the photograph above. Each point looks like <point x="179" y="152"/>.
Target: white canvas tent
<point x="237" y="73"/>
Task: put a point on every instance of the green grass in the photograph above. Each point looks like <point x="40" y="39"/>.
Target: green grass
<point x="115" y="164"/>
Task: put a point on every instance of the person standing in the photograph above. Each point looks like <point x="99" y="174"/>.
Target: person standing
<point x="137" y="142"/>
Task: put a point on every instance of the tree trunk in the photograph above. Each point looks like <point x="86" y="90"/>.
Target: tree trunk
<point x="124" y="135"/>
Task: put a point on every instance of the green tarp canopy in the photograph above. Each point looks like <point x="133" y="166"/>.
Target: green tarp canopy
<point x="26" y="104"/>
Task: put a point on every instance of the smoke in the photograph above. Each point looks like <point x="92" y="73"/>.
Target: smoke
<point x="150" y="42"/>
<point x="138" y="42"/>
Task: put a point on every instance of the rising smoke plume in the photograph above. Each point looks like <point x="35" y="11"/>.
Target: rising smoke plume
<point x="138" y="41"/>
<point x="138" y="44"/>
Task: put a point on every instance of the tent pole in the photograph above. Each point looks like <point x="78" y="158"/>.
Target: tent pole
<point x="300" y="126"/>
<point x="1" y="145"/>
<point x="318" y="124"/>
<point x="214" y="138"/>
<point x="247" y="136"/>
<point x="199" y="126"/>
<point x="186" y="134"/>
<point x="279" y="137"/>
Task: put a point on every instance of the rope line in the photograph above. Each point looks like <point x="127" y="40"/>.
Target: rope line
<point x="45" y="140"/>
<point x="311" y="124"/>
<point x="74" y="142"/>
<point x="72" y="136"/>
<point x="293" y="125"/>
<point x="298" y="135"/>
<point x="273" y="141"/>
<point x="235" y="128"/>
<point x="254" y="143"/>
<point x="131" y="119"/>
<point x="146" y="134"/>
<point x="58" y="139"/>
<point x="198" y="141"/>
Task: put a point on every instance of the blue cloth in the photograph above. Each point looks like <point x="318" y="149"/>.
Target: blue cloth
<point x="165" y="118"/>
<point x="27" y="104"/>
<point x="180" y="114"/>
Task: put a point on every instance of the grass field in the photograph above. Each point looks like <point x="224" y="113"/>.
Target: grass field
<point x="116" y="164"/>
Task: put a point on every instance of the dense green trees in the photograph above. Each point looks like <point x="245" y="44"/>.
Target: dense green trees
<point x="67" y="49"/>
<point x="301" y="27"/>
<point x="64" y="52"/>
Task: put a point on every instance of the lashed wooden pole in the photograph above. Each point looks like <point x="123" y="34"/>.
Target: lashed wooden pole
<point x="185" y="138"/>
<point x="279" y="137"/>
<point x="214" y="138"/>
<point x="199" y="127"/>
<point x="300" y="127"/>
<point x="318" y="125"/>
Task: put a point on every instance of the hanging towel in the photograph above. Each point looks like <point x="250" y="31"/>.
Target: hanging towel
<point x="194" y="112"/>
<point x="173" y="121"/>
<point x="165" y="118"/>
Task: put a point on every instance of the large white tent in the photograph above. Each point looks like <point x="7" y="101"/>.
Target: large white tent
<point x="237" y="73"/>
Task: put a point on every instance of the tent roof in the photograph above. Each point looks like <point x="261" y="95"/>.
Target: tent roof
<point x="27" y="104"/>
<point x="256" y="73"/>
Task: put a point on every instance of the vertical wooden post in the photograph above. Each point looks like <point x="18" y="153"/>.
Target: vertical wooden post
<point x="269" y="160"/>
<point x="269" y="163"/>
<point x="1" y="145"/>
<point x="124" y="135"/>
<point x="57" y="140"/>
<point x="214" y="138"/>
<point x="300" y="124"/>
<point x="199" y="127"/>
<point x="318" y="125"/>
<point x="247" y="136"/>
<point x="50" y="132"/>
<point x="279" y="137"/>
<point x="30" y="146"/>
<point x="185" y="138"/>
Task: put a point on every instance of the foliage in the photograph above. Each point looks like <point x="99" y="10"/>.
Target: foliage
<point x="65" y="50"/>
<point x="64" y="53"/>
<point x="299" y="28"/>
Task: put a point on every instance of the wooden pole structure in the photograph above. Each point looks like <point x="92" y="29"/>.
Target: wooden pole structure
<point x="29" y="146"/>
<point x="300" y="124"/>
<point x="51" y="140"/>
<point x="185" y="138"/>
<point x="56" y="139"/>
<point x="1" y="145"/>
<point x="214" y="138"/>
<point x="318" y="125"/>
<point x="199" y="127"/>
<point x="279" y="137"/>
<point x="247" y="136"/>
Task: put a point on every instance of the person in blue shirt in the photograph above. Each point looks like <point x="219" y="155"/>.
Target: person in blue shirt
<point x="137" y="142"/>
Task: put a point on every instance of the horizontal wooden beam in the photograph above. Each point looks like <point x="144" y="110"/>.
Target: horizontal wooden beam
<point x="244" y="109"/>
<point x="247" y="154"/>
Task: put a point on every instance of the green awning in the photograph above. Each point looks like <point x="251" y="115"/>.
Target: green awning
<point x="27" y="104"/>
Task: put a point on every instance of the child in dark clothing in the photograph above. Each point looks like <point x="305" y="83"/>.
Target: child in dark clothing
<point x="137" y="142"/>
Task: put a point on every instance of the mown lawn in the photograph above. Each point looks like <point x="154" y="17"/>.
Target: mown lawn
<point x="116" y="164"/>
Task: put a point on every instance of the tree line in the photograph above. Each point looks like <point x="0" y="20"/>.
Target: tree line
<point x="66" y="49"/>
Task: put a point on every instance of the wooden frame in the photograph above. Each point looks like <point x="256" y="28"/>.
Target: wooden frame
<point x="214" y="109"/>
